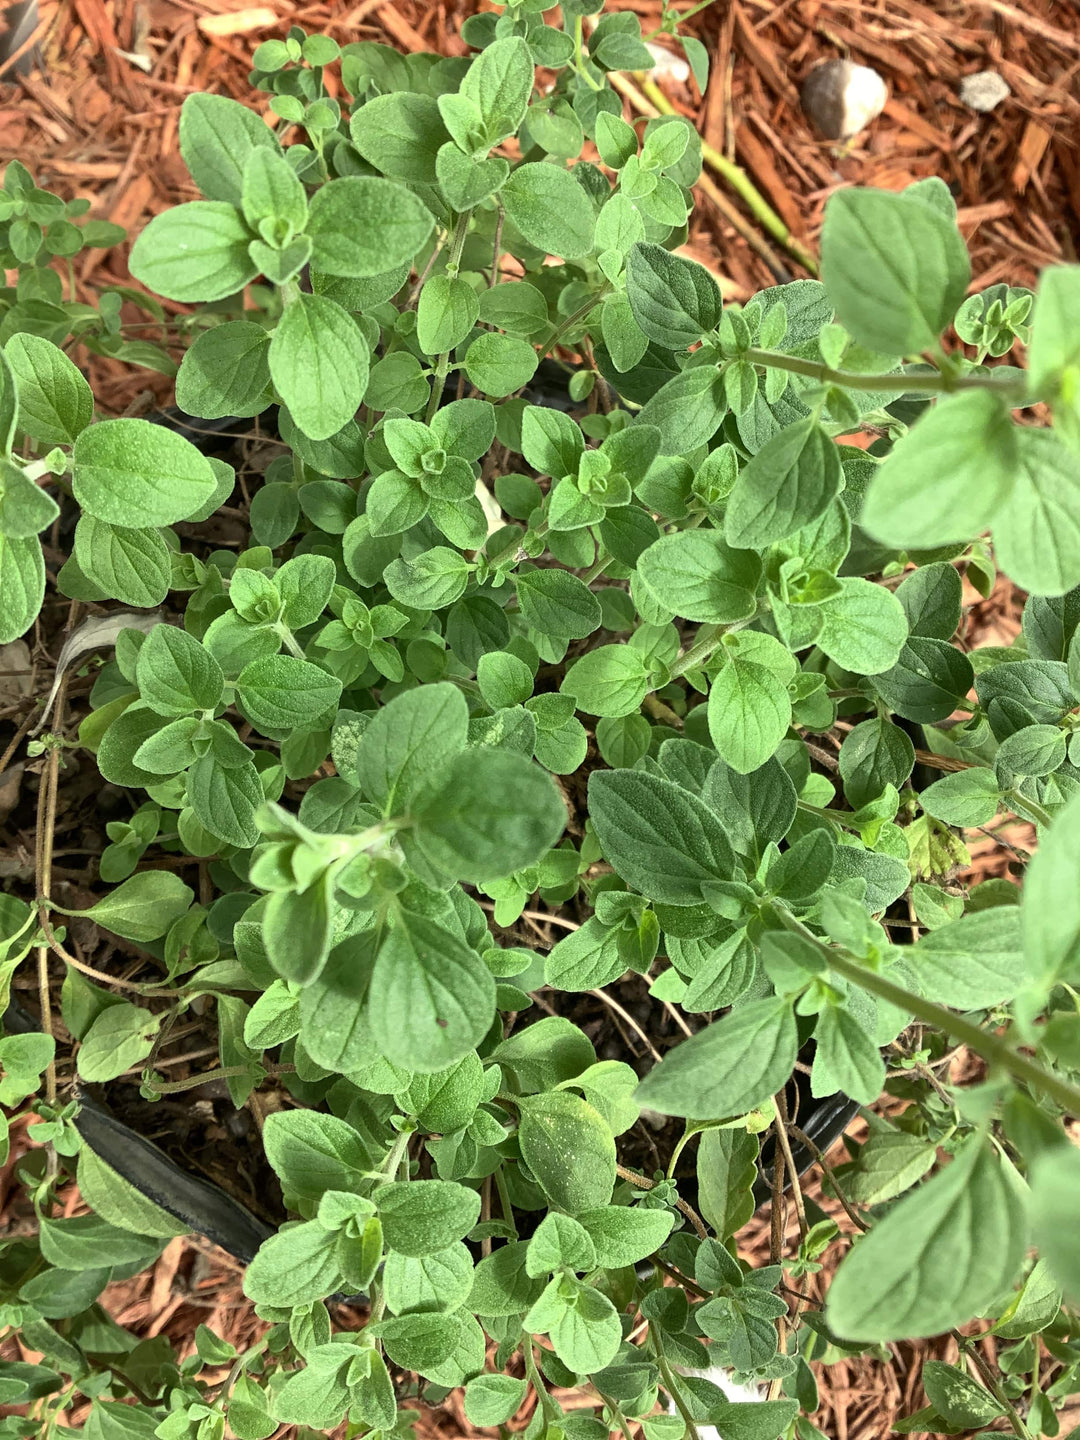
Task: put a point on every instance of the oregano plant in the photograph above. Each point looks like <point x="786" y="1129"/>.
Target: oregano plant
<point x="587" y="637"/>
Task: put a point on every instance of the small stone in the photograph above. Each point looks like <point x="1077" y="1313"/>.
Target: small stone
<point x="983" y="90"/>
<point x="842" y="98"/>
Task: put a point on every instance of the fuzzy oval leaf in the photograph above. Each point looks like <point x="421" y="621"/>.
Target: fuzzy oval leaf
<point x="938" y="1258"/>
<point x="728" y="1068"/>
<point x="132" y="473"/>
<point x="662" y="840"/>
<point x="569" y="1149"/>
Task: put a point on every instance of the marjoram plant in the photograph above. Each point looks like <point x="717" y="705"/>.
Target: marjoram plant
<point x="370" y="730"/>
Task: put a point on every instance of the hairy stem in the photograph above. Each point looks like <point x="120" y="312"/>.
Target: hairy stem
<point x="453" y="264"/>
<point x="992" y="1048"/>
<point x="934" y="382"/>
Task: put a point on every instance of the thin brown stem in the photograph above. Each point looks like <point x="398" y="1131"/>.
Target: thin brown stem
<point x="644" y="1183"/>
<point x="780" y="1126"/>
<point x="628" y="1019"/>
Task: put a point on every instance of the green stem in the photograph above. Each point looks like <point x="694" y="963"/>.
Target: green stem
<point x="549" y="1407"/>
<point x="572" y="320"/>
<point x="175" y="1087"/>
<point x="393" y="1160"/>
<point x="595" y="571"/>
<point x="967" y="1344"/>
<point x="671" y="1385"/>
<point x="616" y="1410"/>
<point x="1029" y="808"/>
<point x="934" y="382"/>
<point x="289" y="640"/>
<point x="709" y="639"/>
<point x="453" y="265"/>
<point x="579" y="58"/>
<point x="991" y="1047"/>
<point x="735" y="176"/>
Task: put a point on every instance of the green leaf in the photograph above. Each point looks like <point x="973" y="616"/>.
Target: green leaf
<point x="942" y="1255"/>
<point x="558" y="604"/>
<point x="420" y="1342"/>
<point x="9" y="405"/>
<point x="569" y="1149"/>
<point x="585" y="959"/>
<point x="271" y="191"/>
<point x="895" y="269"/>
<point x="22" y="585"/>
<point x="890" y="1162"/>
<point x="1055" y="1175"/>
<point x="226" y="372"/>
<point x="791" y="480"/>
<point x="504" y="679"/>
<point x="88" y="1243"/>
<point x="546" y="1053"/>
<point x="25" y="508"/>
<point x="662" y="840"/>
<point x="864" y="627"/>
<point x="1037" y="529"/>
<point x="728" y="1068"/>
<point x="447" y="311"/>
<point x="845" y="1058"/>
<point x="489" y="813"/>
<point x="294" y="1267"/>
<point x="687" y="410"/>
<point x="1053" y="355"/>
<point x="558" y="1243"/>
<point x="55" y="401"/>
<point x="932" y="600"/>
<point x="514" y="306"/>
<point x="466" y="182"/>
<point x="421" y="1216"/>
<point x="143" y="907"/>
<point x="120" y="1037"/>
<point x="438" y="1280"/>
<point x="623" y="1234"/>
<point x="400" y="134"/>
<point x="695" y="574"/>
<point x="749" y="714"/>
<point x="499" y="82"/>
<point x="610" y="681"/>
<point x="726" y="1171"/>
<point x="409" y="741"/>
<point x="948" y="478"/>
<point x="197" y="251"/>
<point x="583" y="1324"/>
<point x="674" y="301"/>
<point x="928" y="680"/>
<point x="968" y="798"/>
<point x="135" y="474"/>
<point x="175" y="674"/>
<point x="361" y="225"/>
<point x="431" y="999"/>
<point x="225" y="799"/>
<point x="551" y="209"/>
<point x="972" y="964"/>
<point x="498" y="364"/>
<point x="217" y="135"/>
<point x="279" y="692"/>
<point x="875" y="754"/>
<point x="1051" y="906"/>
<point x="319" y="363"/>
<point x="432" y="581"/>
<point x="956" y="1396"/>
<point x="133" y="566"/>
<point x="493" y="1399"/>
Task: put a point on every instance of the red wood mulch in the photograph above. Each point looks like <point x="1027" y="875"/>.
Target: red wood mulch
<point x="97" y="115"/>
